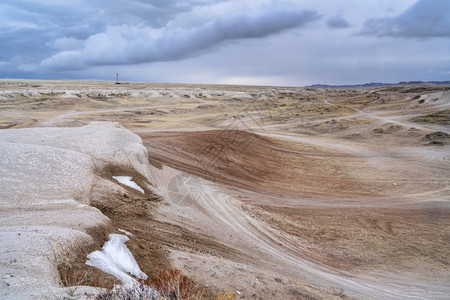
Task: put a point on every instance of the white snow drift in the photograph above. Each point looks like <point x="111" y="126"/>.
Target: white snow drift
<point x="126" y="180"/>
<point x="117" y="260"/>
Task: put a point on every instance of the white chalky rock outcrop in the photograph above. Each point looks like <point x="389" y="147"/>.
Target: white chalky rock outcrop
<point x="46" y="177"/>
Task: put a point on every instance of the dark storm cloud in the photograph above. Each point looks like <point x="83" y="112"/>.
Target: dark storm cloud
<point x="127" y="44"/>
<point x="425" y="19"/>
<point x="31" y="31"/>
<point x="337" y="22"/>
<point x="225" y="41"/>
<point x="39" y="22"/>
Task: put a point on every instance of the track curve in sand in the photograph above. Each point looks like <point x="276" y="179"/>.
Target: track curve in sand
<point x="242" y="165"/>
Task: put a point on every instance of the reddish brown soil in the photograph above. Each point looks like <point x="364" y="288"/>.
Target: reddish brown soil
<point x="250" y="161"/>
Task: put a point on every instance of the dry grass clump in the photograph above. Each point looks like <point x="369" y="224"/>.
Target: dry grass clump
<point x="166" y="284"/>
<point x="339" y="292"/>
<point x="174" y="285"/>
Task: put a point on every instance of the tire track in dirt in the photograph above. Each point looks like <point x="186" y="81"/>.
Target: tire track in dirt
<point x="257" y="238"/>
<point x="265" y="244"/>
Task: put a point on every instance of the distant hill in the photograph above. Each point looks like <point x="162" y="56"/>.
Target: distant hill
<point x="377" y="84"/>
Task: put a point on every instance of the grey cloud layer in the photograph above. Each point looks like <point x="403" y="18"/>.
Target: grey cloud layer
<point x="337" y="22"/>
<point x="226" y="40"/>
<point x="142" y="44"/>
<point x="425" y="19"/>
<point x="29" y="29"/>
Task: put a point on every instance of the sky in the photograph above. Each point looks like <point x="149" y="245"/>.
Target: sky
<point x="258" y="42"/>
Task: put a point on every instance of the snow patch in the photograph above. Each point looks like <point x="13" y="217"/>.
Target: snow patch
<point x="117" y="260"/>
<point x="126" y="180"/>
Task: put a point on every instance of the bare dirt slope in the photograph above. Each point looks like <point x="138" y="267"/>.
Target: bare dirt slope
<point x="276" y="192"/>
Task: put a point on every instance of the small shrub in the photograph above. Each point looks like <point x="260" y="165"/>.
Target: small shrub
<point x="339" y="292"/>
